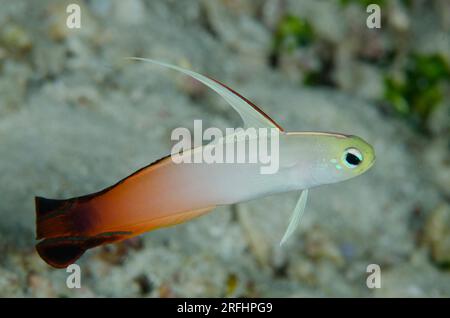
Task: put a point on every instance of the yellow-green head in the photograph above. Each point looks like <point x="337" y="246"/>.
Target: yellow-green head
<point x="324" y="158"/>
<point x="354" y="156"/>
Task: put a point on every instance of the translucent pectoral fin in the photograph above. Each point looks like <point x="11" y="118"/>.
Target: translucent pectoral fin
<point x="296" y="216"/>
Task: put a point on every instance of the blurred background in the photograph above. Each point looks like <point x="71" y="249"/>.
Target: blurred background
<point x="76" y="117"/>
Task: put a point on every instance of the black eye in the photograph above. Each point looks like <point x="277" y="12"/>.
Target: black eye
<point x="352" y="157"/>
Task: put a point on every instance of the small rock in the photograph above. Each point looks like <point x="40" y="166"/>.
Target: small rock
<point x="398" y="17"/>
<point x="302" y="270"/>
<point x="146" y="286"/>
<point x="15" y="39"/>
<point x="437" y="234"/>
<point x="318" y="245"/>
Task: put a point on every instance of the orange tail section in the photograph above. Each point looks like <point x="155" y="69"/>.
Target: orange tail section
<point x="61" y="224"/>
<point x="67" y="228"/>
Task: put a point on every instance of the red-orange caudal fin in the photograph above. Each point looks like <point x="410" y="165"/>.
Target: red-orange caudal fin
<point x="67" y="228"/>
<point x="63" y="224"/>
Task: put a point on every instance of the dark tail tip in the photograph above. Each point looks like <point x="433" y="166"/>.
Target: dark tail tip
<point x="54" y="218"/>
<point x="45" y="206"/>
<point x="60" y="252"/>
